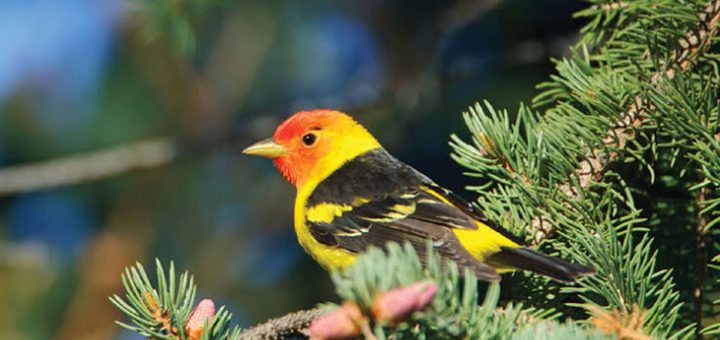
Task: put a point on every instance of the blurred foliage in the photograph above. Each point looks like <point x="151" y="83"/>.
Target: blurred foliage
<point x="172" y="19"/>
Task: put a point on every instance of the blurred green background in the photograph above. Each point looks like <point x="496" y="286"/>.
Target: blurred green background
<point x="200" y="80"/>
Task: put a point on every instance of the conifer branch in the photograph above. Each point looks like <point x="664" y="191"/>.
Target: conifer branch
<point x="290" y="324"/>
<point x="691" y="47"/>
<point x="389" y="293"/>
<point x="166" y="311"/>
<point x="552" y="161"/>
<point x="627" y="325"/>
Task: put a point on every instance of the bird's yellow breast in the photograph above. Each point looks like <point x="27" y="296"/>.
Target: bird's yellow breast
<point x="328" y="257"/>
<point x="353" y="141"/>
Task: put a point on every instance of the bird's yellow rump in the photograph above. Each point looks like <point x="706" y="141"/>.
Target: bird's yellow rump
<point x="352" y="194"/>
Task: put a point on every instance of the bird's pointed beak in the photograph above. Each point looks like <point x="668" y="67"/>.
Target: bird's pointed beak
<point x="266" y="148"/>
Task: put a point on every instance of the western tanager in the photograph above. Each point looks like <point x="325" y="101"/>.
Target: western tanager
<point x="352" y="194"/>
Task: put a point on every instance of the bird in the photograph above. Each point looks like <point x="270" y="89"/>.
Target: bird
<point x="352" y="194"/>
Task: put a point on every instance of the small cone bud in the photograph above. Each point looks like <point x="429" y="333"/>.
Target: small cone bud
<point x="204" y="310"/>
<point x="150" y="302"/>
<point x="397" y="304"/>
<point x="487" y="148"/>
<point x="342" y="323"/>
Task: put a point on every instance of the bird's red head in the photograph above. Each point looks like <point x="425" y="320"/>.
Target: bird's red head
<point x="309" y="145"/>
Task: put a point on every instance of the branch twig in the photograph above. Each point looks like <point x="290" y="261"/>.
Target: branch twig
<point x="692" y="45"/>
<point x="293" y="323"/>
<point x="86" y="167"/>
<point x="610" y="6"/>
<point x="702" y="240"/>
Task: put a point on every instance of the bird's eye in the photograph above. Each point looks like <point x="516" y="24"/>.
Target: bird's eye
<point x="309" y="139"/>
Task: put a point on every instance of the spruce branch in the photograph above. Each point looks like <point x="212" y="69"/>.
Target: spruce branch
<point x="690" y="48"/>
<point x="621" y="324"/>
<point x="627" y="273"/>
<point x="453" y="313"/>
<point x="713" y="329"/>
<point x="438" y="302"/>
<point x="686" y="110"/>
<point x="695" y="42"/>
<point x="590" y="169"/>
<point x="552" y="168"/>
<point x="293" y="323"/>
<point x="167" y="312"/>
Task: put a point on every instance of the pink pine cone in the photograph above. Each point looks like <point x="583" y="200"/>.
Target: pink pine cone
<point x="397" y="304"/>
<point x="341" y="323"/>
<point x="204" y="310"/>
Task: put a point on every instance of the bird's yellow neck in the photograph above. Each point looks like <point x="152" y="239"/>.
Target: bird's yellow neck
<point x="348" y="142"/>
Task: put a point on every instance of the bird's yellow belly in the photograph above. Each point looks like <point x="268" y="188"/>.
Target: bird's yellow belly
<point x="331" y="258"/>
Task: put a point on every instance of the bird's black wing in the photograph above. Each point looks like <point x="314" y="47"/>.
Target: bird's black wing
<point x="374" y="199"/>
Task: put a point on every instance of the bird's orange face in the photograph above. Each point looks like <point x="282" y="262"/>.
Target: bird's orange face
<point x="311" y="144"/>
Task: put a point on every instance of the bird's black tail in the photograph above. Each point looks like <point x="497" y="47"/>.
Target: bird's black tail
<point x="553" y="267"/>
